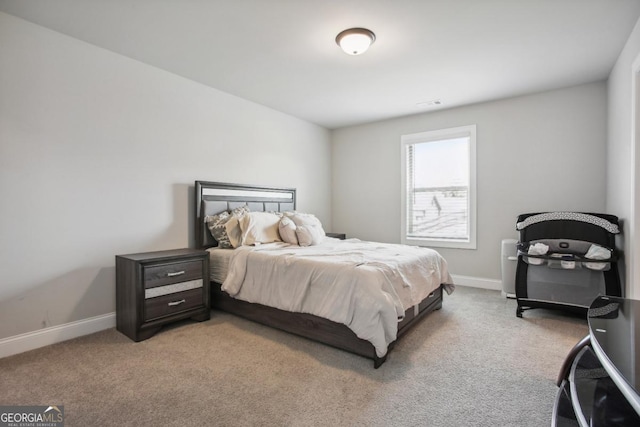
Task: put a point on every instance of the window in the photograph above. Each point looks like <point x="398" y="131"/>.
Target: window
<point x="439" y="188"/>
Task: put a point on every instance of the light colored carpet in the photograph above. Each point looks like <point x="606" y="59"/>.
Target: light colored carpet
<point x="473" y="363"/>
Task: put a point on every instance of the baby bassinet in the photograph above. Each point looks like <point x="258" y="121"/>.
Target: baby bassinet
<point x="565" y="260"/>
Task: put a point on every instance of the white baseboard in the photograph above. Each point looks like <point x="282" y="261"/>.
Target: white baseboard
<point x="55" y="334"/>
<point x="477" y="282"/>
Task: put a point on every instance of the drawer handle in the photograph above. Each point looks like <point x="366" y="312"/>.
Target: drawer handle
<point x="177" y="273"/>
<point x="173" y="303"/>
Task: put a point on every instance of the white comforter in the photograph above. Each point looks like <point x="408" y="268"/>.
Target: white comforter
<point x="364" y="285"/>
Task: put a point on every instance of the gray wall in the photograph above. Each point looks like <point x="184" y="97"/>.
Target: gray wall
<point x="622" y="168"/>
<point x="534" y="153"/>
<point x="98" y="155"/>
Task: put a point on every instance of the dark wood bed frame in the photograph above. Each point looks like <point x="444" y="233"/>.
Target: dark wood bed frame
<point x="214" y="197"/>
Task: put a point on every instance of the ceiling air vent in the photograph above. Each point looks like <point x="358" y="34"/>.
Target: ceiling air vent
<point x="427" y="104"/>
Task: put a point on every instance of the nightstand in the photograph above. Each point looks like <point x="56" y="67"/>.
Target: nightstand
<point x="156" y="288"/>
<point x="340" y="236"/>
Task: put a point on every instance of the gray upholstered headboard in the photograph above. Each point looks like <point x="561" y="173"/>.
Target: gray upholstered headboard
<point x="215" y="197"/>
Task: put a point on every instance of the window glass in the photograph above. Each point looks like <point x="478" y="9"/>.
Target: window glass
<point x="438" y="202"/>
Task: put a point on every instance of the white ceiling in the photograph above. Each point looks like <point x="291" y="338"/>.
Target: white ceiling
<point x="282" y="53"/>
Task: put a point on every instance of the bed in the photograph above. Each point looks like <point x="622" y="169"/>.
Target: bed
<point x="329" y="326"/>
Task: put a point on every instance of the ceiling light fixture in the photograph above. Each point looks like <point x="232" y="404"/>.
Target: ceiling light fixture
<point x="355" y="41"/>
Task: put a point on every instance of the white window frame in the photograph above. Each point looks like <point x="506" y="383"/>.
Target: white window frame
<point x="431" y="136"/>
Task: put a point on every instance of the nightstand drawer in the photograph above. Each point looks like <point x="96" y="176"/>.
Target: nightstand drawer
<point x="164" y="274"/>
<point x="172" y="303"/>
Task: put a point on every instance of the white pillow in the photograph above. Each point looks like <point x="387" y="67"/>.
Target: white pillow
<point x="234" y="231"/>
<point x="232" y="227"/>
<point x="219" y="228"/>
<point x="259" y="227"/>
<point x="287" y="229"/>
<point x="309" y="229"/>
